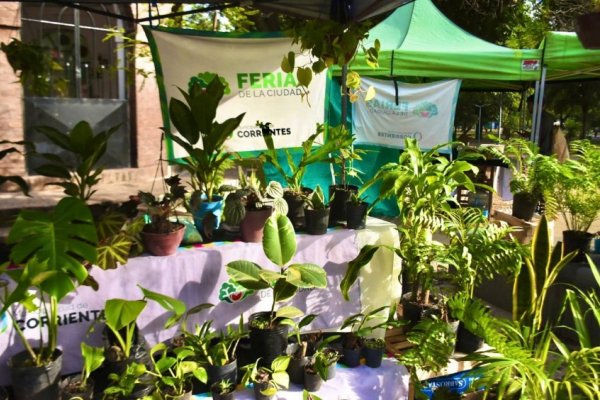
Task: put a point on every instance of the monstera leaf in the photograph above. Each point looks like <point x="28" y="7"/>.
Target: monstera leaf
<point x="65" y="238"/>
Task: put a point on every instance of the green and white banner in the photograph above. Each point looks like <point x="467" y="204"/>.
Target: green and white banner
<point x="398" y="111"/>
<point x="251" y="65"/>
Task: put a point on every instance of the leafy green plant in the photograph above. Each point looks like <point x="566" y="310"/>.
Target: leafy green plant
<point x="577" y="187"/>
<point x="527" y="359"/>
<point x="80" y="174"/>
<point x="279" y="245"/>
<point x="51" y="251"/>
<point x="306" y="395"/>
<point x="195" y="123"/>
<point x="434" y="344"/>
<point x="215" y="348"/>
<point x="361" y="326"/>
<point x="346" y="154"/>
<point x="123" y="385"/>
<point x="18" y="180"/>
<point x="311" y="154"/>
<point x="478" y="249"/>
<point x="275" y="378"/>
<point x="324" y="357"/>
<point x="174" y="372"/>
<point x="162" y="210"/>
<point x="423" y="184"/>
<point x="329" y="43"/>
<point x="533" y="173"/>
<point x="93" y="357"/>
<point x="316" y="200"/>
<point x="223" y="386"/>
<point x="35" y="68"/>
<point x="120" y="318"/>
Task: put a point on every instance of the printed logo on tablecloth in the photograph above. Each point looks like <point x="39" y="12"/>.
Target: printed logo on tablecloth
<point x="4" y="322"/>
<point x="231" y="292"/>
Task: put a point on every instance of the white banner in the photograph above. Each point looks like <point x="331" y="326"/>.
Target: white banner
<point x="259" y="87"/>
<point x="421" y="111"/>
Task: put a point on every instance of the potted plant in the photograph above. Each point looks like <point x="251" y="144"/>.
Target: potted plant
<point x="295" y="171"/>
<point x="173" y="371"/>
<point x="46" y="271"/>
<point x="322" y="363"/>
<point x="576" y="190"/>
<point x="298" y="351"/>
<point x="361" y="325"/>
<point x="316" y="213"/>
<point x="161" y="236"/>
<point x="268" y="334"/>
<point x="424" y="184"/>
<point x="216" y="350"/>
<point x="81" y="387"/>
<point x="195" y="123"/>
<point x="477" y="249"/>
<point x="343" y="159"/>
<point x="356" y="212"/>
<point x="267" y="381"/>
<point x="133" y="383"/>
<point x="526" y="358"/>
<point x="223" y="390"/>
<point x="532" y="174"/>
<point x="35" y="68"/>
<point x="260" y="204"/>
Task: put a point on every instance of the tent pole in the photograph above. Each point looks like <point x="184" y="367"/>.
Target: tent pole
<point x="500" y="116"/>
<point x="534" y="116"/>
<point x="540" y="102"/>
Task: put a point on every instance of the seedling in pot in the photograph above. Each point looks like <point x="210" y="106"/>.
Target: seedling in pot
<point x="93" y="357"/>
<point x="274" y="378"/>
<point x="222" y="387"/>
<point x="316" y="200"/>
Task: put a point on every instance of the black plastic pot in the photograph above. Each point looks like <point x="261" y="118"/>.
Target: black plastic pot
<point x="268" y="344"/>
<point x="316" y="221"/>
<point x="257" y="387"/>
<point x="144" y="387"/>
<point x="356" y="215"/>
<point x="338" y="197"/>
<point x="412" y="312"/>
<point x="373" y="356"/>
<point x="216" y="373"/>
<point x="331" y="371"/>
<point x="295" y="209"/>
<point x="35" y="383"/>
<point x="69" y="389"/>
<point x="523" y="206"/>
<point x="244" y="356"/>
<point x="3" y="394"/>
<point x="138" y="355"/>
<point x="296" y="369"/>
<point x="467" y="342"/>
<point x="577" y="240"/>
<point x="351" y="357"/>
<point x="312" y="381"/>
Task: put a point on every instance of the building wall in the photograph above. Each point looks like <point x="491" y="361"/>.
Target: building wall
<point x="11" y="93"/>
<point x="148" y="116"/>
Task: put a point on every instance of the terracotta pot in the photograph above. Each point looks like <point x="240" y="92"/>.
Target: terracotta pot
<point x="253" y="224"/>
<point x="163" y="244"/>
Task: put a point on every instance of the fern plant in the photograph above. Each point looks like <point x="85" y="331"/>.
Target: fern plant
<point x="527" y="360"/>
<point x="478" y="249"/>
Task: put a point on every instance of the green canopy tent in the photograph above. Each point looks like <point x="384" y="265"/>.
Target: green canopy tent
<point x="563" y="59"/>
<point x="420" y="44"/>
<point x="418" y="40"/>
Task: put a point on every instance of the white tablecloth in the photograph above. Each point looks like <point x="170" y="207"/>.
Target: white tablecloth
<point x="389" y="382"/>
<point x="197" y="275"/>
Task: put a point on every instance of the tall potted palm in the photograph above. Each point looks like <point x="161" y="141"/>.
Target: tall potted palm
<point x="195" y="123"/>
<point x="424" y="184"/>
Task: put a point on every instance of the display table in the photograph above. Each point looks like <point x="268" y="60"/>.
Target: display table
<point x="390" y="381"/>
<point x="197" y="275"/>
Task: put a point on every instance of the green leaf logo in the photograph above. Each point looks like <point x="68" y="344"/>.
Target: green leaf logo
<point x="426" y="110"/>
<point x="231" y="292"/>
